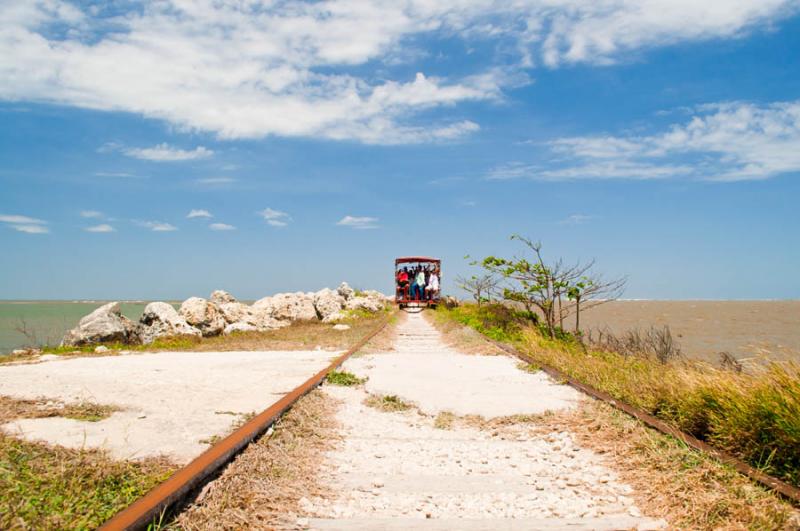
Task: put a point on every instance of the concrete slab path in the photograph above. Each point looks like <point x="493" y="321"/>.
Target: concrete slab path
<point x="398" y="470"/>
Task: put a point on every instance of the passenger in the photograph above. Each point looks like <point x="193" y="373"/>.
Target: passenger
<point x="418" y="289"/>
<point x="402" y="282"/>
<point x="432" y="290"/>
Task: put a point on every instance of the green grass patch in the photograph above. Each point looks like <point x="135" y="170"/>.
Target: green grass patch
<point x="344" y="378"/>
<point x="753" y="416"/>
<point x="390" y="403"/>
<point x="44" y="487"/>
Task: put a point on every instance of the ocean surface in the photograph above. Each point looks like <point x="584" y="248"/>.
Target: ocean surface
<point x="703" y="329"/>
<point x="36" y="323"/>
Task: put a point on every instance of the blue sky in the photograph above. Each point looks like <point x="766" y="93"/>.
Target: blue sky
<point x="167" y="150"/>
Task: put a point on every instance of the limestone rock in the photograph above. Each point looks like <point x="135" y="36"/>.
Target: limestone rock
<point x="221" y="297"/>
<point x="162" y="320"/>
<point x="235" y="312"/>
<point x="288" y="306"/>
<point x="104" y="324"/>
<point x="239" y="327"/>
<point x="101" y="349"/>
<point x="203" y="315"/>
<point x="345" y="291"/>
<point x="372" y="301"/>
<point x="341" y="327"/>
<point x="329" y="305"/>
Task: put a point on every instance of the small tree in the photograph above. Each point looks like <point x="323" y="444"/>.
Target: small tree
<point x="480" y="287"/>
<point x="537" y="284"/>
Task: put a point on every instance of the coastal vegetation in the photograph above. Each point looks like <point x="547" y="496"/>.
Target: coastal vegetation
<point x="51" y="487"/>
<point x="754" y="415"/>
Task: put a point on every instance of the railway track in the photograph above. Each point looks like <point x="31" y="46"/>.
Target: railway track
<point x="181" y="486"/>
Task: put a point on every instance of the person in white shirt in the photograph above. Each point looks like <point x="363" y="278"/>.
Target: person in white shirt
<point x="433" y="285"/>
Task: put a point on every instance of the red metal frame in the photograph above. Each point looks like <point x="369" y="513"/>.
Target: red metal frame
<point x="416" y="260"/>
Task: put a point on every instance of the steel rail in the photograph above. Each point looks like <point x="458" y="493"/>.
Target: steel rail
<point x="788" y="491"/>
<point x="166" y="496"/>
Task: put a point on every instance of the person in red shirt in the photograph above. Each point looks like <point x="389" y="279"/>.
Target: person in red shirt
<point x="402" y="281"/>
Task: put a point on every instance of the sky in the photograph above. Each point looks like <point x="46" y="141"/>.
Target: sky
<point x="164" y="149"/>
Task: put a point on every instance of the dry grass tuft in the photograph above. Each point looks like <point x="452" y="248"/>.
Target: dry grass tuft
<point x="263" y="487"/>
<point x="13" y="408"/>
<point x="444" y="420"/>
<point x="387" y="403"/>
<point x="670" y="480"/>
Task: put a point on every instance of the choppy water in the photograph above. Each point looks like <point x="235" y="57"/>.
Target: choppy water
<point x="46" y="321"/>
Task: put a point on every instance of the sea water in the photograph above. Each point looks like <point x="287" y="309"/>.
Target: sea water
<point x="37" y="323"/>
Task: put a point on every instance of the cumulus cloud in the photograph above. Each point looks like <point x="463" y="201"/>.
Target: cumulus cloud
<point x="157" y="226"/>
<point x="167" y="153"/>
<point x="221" y="227"/>
<point x="24" y="224"/>
<point x="729" y="141"/>
<point x="276" y="218"/>
<point x="199" y="213"/>
<point x="297" y="68"/>
<point x="358" y="222"/>
<point x="100" y="228"/>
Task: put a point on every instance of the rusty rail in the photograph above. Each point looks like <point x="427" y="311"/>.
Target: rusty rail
<point x="166" y="496"/>
<point x="786" y="490"/>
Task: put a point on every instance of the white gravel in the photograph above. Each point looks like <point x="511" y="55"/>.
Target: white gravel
<point x="397" y="471"/>
<point x="171" y="401"/>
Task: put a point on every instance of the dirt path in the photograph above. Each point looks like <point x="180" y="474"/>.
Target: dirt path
<point x="417" y="469"/>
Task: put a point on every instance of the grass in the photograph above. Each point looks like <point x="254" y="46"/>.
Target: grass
<point x="12" y="408"/>
<point x="51" y="487"/>
<point x="388" y="403"/>
<point x="444" y="420"/>
<point x="755" y="417"/>
<point x="344" y="378"/>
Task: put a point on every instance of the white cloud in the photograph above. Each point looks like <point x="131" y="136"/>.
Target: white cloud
<point x="358" y="222"/>
<point x="31" y="229"/>
<point x="295" y="68"/>
<point x="23" y="220"/>
<point x="116" y="174"/>
<point x="91" y="214"/>
<point x="576" y="219"/>
<point x="100" y="228"/>
<point x="215" y="181"/>
<point x="221" y="226"/>
<point x="25" y="224"/>
<point x="723" y="142"/>
<point x="275" y="218"/>
<point x="199" y="213"/>
<point x="157" y="226"/>
<point x="167" y="153"/>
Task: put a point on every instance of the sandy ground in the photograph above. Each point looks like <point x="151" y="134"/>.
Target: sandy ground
<point x="171" y="402"/>
<point x="703" y="329"/>
<point x="399" y="471"/>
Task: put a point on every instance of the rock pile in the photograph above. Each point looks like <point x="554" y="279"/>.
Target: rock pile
<point x="220" y="314"/>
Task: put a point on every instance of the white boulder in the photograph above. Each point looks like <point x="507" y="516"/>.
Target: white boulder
<point x="105" y="324"/>
<point x="162" y="320"/>
<point x="220" y="297"/>
<point x="288" y="306"/>
<point x="372" y="301"/>
<point x="329" y="305"/>
<point x="345" y="291"/>
<point x="239" y="327"/>
<point x="203" y="315"/>
<point x="341" y="327"/>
